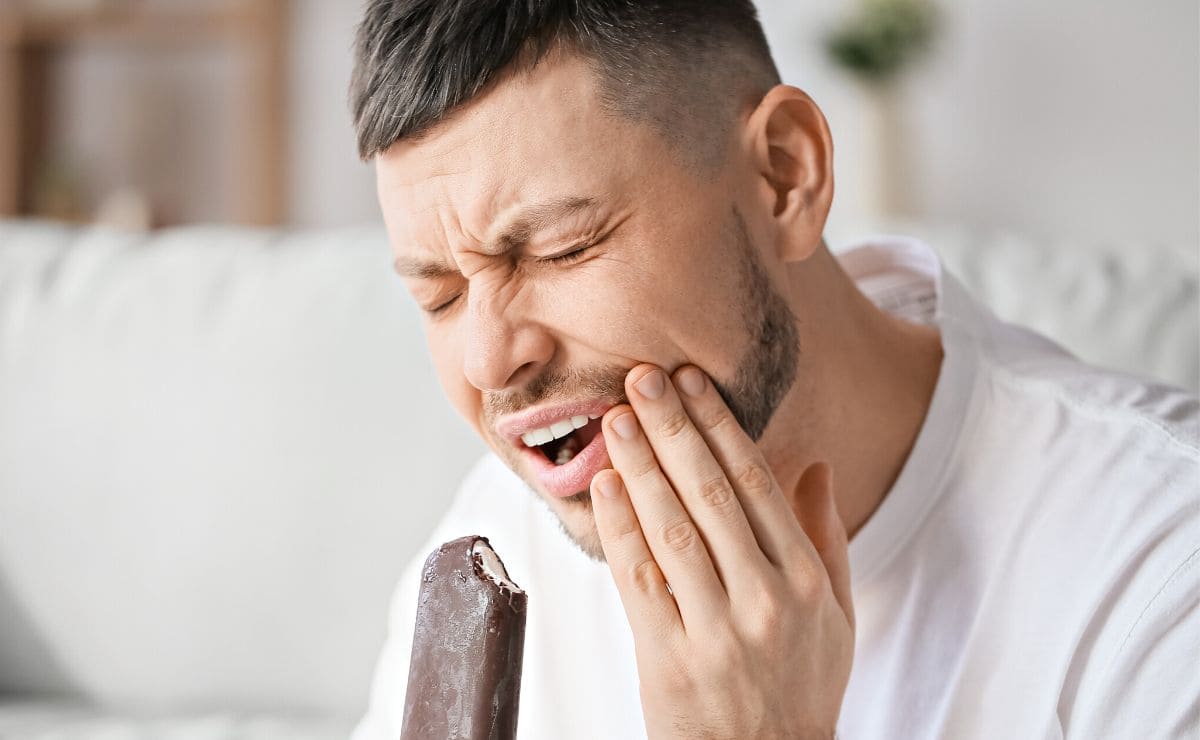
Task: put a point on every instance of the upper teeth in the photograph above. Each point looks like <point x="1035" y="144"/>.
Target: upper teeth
<point x="556" y="430"/>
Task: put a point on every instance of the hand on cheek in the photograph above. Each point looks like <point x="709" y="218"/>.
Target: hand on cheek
<point x="742" y="622"/>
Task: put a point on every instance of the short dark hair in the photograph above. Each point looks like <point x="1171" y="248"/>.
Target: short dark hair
<point x="686" y="67"/>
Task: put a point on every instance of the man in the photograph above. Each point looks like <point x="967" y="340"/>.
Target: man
<point x="611" y="214"/>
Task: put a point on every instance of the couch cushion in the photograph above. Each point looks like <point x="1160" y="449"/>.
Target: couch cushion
<point x="58" y="721"/>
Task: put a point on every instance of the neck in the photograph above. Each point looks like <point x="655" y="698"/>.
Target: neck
<point x="863" y="388"/>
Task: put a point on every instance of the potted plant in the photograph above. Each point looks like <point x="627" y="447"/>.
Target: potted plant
<point x="876" y="45"/>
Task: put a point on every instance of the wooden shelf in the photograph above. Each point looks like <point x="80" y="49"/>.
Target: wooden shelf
<point x="253" y="28"/>
<point x="122" y="27"/>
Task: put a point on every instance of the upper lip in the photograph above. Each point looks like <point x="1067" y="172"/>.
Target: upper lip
<point x="512" y="426"/>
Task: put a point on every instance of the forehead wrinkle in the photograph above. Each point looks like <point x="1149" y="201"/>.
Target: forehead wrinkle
<point x="535" y="219"/>
<point x="448" y="224"/>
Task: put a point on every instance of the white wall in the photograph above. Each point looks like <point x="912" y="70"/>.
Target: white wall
<point x="328" y="185"/>
<point x="1075" y="119"/>
<point x="1065" y="119"/>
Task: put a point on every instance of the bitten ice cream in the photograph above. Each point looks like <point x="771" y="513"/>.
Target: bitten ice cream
<point x="464" y="680"/>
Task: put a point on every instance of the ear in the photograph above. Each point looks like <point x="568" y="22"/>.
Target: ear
<point x="792" y="153"/>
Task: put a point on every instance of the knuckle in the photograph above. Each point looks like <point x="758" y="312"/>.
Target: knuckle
<point x="625" y="528"/>
<point x="722" y="652"/>
<point x="677" y="678"/>
<point x="646" y="577"/>
<point x="770" y="613"/>
<point x="645" y="467"/>
<point x="673" y="424"/>
<point x="716" y="492"/>
<point x="714" y="418"/>
<point x="768" y="618"/>
<point x="755" y="481"/>
<point x="678" y="536"/>
<point x="808" y="586"/>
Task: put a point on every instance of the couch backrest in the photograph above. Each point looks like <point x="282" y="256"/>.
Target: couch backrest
<point x="1127" y="306"/>
<point x="218" y="447"/>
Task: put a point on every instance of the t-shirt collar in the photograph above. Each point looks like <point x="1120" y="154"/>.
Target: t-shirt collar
<point x="905" y="277"/>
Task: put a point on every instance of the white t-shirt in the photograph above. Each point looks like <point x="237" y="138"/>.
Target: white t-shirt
<point x="1033" y="573"/>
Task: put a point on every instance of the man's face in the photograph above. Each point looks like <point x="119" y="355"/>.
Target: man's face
<point x="553" y="247"/>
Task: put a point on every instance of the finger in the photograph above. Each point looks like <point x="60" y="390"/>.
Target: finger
<point x="697" y="478"/>
<point x="768" y="513"/>
<point x="649" y="606"/>
<point x="669" y="532"/>
<point x="816" y="510"/>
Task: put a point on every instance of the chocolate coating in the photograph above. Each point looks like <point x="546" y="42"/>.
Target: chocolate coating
<point x="464" y="680"/>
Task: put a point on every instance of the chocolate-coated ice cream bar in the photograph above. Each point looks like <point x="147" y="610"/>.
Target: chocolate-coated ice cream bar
<point x="464" y="680"/>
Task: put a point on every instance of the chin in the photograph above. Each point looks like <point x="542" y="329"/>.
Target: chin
<point x="578" y="523"/>
<point x="574" y="512"/>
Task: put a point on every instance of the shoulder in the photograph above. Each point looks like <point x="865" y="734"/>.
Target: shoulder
<point x="1111" y="459"/>
<point x="1028" y="371"/>
<point x="1105" y="483"/>
<point x="1087" y="474"/>
<point x="1104" y="401"/>
<point x="1097" y="482"/>
<point x="1024" y="373"/>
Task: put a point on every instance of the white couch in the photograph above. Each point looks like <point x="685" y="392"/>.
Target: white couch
<point x="218" y="447"/>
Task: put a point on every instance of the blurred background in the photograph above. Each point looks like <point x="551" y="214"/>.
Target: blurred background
<point x="220" y="439"/>
<point x="1075" y="119"/>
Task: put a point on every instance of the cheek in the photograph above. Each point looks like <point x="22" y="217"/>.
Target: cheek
<point x="664" y="311"/>
<point x="610" y="312"/>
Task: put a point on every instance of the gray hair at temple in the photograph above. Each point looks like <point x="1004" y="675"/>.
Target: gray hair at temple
<point x="686" y="67"/>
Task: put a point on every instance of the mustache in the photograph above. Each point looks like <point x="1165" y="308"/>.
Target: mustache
<point x="605" y="381"/>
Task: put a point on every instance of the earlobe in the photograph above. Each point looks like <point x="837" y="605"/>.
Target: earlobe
<point x="793" y="154"/>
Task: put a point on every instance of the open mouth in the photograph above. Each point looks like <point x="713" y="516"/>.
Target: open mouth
<point x="562" y="441"/>
<point x="565" y="450"/>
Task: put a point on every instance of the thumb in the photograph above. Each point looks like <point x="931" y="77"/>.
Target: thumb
<point x="816" y="510"/>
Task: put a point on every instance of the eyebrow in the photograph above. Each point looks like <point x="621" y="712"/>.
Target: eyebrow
<point x="423" y="269"/>
<point x="528" y="222"/>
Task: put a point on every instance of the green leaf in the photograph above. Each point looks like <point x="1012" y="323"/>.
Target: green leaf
<point x="883" y="37"/>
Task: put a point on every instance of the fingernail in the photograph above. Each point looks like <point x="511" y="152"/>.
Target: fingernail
<point x="625" y="425"/>
<point x="607" y="486"/>
<point x="651" y="384"/>
<point x="691" y="381"/>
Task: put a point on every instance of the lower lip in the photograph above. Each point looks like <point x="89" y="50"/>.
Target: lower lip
<point x="568" y="479"/>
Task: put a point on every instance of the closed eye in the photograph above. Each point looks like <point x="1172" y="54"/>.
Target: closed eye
<point x="443" y="307"/>
<point x="567" y="258"/>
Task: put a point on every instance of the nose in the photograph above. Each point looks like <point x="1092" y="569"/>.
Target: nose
<point x="502" y="349"/>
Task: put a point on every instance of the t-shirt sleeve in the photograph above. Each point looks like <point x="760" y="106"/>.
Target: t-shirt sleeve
<point x="1151" y="687"/>
<point x="385" y="708"/>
